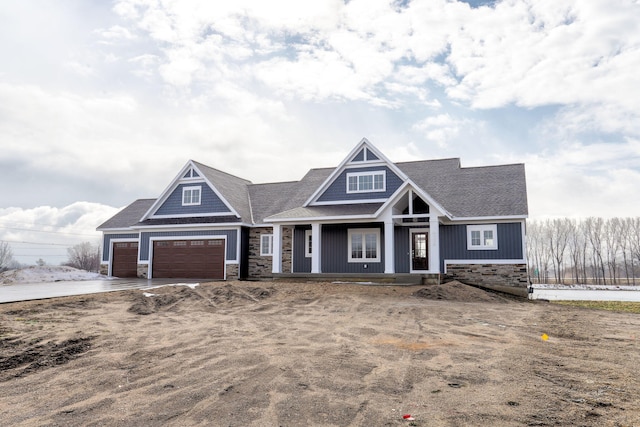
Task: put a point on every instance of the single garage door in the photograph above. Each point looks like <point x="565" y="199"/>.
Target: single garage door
<point x="125" y="259"/>
<point x="189" y="259"/>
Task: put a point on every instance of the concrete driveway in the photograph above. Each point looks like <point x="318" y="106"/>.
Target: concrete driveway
<point x="33" y="291"/>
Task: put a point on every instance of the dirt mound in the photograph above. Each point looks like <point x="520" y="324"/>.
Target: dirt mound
<point x="17" y="353"/>
<point x="456" y="291"/>
<point x="204" y="296"/>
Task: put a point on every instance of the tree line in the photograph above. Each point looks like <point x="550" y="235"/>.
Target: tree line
<point x="591" y="250"/>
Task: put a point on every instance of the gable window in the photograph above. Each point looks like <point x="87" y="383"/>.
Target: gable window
<point x="191" y="195"/>
<point x="308" y="244"/>
<point x="266" y="245"/>
<point x="366" y="182"/>
<point x="364" y="245"/>
<point x="482" y="237"/>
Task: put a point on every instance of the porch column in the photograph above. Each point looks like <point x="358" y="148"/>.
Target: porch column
<point x="434" y="244"/>
<point x="389" y="248"/>
<point x="316" y="231"/>
<point x="276" y="257"/>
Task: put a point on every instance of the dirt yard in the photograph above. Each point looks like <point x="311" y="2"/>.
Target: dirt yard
<point x="315" y="354"/>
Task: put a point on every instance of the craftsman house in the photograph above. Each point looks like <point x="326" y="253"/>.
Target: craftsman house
<point x="366" y="218"/>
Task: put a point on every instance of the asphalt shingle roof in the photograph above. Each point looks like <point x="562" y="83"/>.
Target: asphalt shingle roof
<point x="232" y="188"/>
<point x="487" y="191"/>
<point x="471" y="192"/>
<point x="128" y="216"/>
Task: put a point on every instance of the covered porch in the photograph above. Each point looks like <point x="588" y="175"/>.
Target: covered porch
<point x="392" y="241"/>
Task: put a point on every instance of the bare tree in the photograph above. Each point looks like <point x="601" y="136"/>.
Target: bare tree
<point x="577" y="249"/>
<point x="594" y="230"/>
<point x="6" y="256"/>
<point x="539" y="254"/>
<point x="84" y="256"/>
<point x="624" y="241"/>
<point x="634" y="241"/>
<point x="558" y="232"/>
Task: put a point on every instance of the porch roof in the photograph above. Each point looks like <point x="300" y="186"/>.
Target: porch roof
<point x="327" y="212"/>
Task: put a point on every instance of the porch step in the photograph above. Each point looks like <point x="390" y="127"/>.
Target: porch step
<point x="397" y="279"/>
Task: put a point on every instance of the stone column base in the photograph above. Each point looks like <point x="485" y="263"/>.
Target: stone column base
<point x="143" y="271"/>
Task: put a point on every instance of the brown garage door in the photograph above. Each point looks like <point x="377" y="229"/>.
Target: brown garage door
<point x="125" y="259"/>
<point x="189" y="259"/>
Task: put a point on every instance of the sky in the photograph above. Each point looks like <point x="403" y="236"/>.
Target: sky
<point x="102" y="102"/>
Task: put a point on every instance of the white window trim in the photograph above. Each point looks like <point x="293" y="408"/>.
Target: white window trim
<point x="383" y="173"/>
<point x="482" y="228"/>
<point x="307" y="246"/>
<point x="269" y="250"/>
<point x="363" y="232"/>
<point x="191" y="189"/>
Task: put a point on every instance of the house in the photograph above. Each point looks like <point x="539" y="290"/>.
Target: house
<point x="367" y="217"/>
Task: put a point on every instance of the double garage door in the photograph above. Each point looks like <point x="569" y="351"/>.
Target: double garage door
<point x="189" y="259"/>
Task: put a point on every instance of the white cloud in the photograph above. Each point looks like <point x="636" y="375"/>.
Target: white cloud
<point x="584" y="180"/>
<point x="444" y="129"/>
<point x="46" y="232"/>
<point x="111" y="102"/>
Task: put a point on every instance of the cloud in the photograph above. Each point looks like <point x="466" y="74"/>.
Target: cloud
<point x="444" y="129"/>
<point x="583" y="180"/>
<point x="103" y="105"/>
<point x="46" y="232"/>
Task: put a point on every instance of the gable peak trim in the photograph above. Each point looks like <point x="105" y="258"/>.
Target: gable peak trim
<point x="179" y="179"/>
<point x="369" y="152"/>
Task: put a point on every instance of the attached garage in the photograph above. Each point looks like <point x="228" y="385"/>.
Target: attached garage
<point x="125" y="259"/>
<point x="188" y="259"/>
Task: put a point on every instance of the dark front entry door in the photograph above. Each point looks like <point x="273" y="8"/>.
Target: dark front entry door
<point x="419" y="251"/>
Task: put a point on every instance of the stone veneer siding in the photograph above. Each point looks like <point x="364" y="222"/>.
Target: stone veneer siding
<point x="143" y="271"/>
<point x="490" y="274"/>
<point x="260" y="267"/>
<point x="104" y="269"/>
<point x="232" y="272"/>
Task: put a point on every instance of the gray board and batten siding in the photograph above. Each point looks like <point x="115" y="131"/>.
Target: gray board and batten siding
<point x="453" y="244"/>
<point x="337" y="191"/>
<point x="210" y="203"/>
<point x="338" y="256"/>
<point x="335" y="250"/>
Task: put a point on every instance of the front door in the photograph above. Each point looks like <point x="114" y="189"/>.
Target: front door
<point x="419" y="251"/>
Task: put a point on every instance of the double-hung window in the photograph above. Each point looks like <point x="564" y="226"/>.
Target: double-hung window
<point x="482" y="237"/>
<point x="364" y="245"/>
<point x="266" y="245"/>
<point x="366" y="182"/>
<point x="191" y="195"/>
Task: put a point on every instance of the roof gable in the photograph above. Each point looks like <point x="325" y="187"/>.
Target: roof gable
<point x="364" y="157"/>
<point x="212" y="186"/>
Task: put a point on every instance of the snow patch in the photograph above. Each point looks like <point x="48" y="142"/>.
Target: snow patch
<point x="189" y="285"/>
<point x="47" y="273"/>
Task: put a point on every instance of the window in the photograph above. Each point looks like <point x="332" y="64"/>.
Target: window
<point x="364" y="245"/>
<point x="366" y="182"/>
<point x="266" y="245"/>
<point x="191" y="196"/>
<point x="482" y="237"/>
<point x="308" y="244"/>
